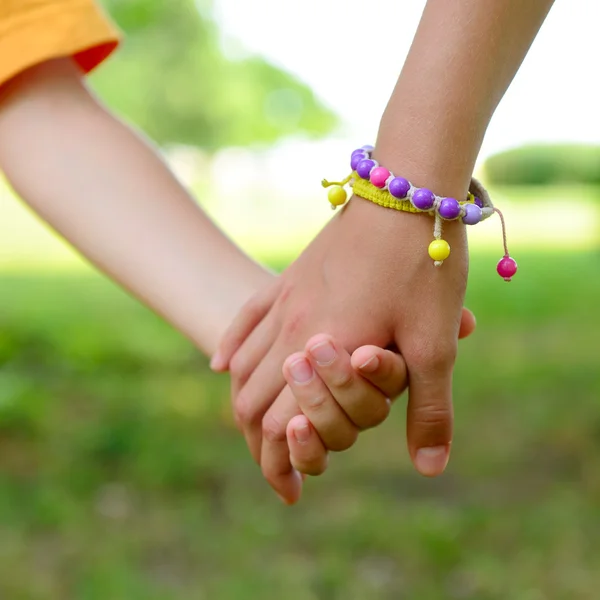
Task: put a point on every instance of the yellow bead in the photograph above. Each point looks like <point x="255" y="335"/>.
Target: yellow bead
<point x="439" y="250"/>
<point x="337" y="195"/>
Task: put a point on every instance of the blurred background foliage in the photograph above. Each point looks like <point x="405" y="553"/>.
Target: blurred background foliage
<point x="122" y="476"/>
<point x="173" y="80"/>
<point x="545" y="164"/>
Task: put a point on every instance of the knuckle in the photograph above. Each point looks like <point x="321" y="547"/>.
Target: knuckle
<point x="378" y="415"/>
<point x="344" y="442"/>
<point x="239" y="425"/>
<point x="433" y="417"/>
<point x="246" y="414"/>
<point x="341" y="380"/>
<point x="273" y="430"/>
<point x="316" y="401"/>
<point x="293" y="324"/>
<point x="286" y="291"/>
<point x="238" y="368"/>
<point x="270" y="474"/>
<point x="437" y="358"/>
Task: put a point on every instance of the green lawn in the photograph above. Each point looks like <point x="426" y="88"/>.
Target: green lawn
<point x="122" y="477"/>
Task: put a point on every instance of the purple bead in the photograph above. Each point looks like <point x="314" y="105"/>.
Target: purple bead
<point x="356" y="158"/>
<point x="472" y="214"/>
<point x="368" y="148"/>
<point x="449" y="208"/>
<point x="363" y="168"/>
<point x="399" y="187"/>
<point x="478" y="202"/>
<point x="423" y="199"/>
<point x="360" y="152"/>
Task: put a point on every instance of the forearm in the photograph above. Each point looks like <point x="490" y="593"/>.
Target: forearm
<point x="107" y="192"/>
<point x="463" y="57"/>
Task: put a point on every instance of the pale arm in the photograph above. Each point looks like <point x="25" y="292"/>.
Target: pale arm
<point x="107" y="192"/>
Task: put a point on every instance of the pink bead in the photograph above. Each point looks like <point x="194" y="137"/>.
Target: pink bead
<point x="506" y="268"/>
<point x="378" y="177"/>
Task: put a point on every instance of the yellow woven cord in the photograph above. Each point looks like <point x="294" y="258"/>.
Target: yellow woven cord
<point x="366" y="190"/>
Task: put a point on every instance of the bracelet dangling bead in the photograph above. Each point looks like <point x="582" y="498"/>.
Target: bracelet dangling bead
<point x="439" y="250"/>
<point x="337" y="196"/>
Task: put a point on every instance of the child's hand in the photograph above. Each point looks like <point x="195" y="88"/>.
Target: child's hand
<point x="332" y="403"/>
<point x="341" y="399"/>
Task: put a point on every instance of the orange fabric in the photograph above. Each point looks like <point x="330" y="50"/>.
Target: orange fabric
<point x="32" y="31"/>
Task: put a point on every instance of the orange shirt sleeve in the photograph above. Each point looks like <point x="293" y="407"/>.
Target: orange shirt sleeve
<point x="32" y="31"/>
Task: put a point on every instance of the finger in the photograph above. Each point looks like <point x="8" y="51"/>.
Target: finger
<point x="384" y="369"/>
<point x="308" y="455"/>
<point x="336" y="430"/>
<point x="365" y="406"/>
<point x="260" y="391"/>
<point x="429" y="411"/>
<point x="467" y="324"/>
<point x="251" y="314"/>
<point x="275" y="454"/>
<point x="249" y="356"/>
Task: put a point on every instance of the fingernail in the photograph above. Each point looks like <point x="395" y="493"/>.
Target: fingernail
<point x="301" y="370"/>
<point x="302" y="433"/>
<point x="371" y="365"/>
<point x="432" y="461"/>
<point x="284" y="500"/>
<point x="323" y="353"/>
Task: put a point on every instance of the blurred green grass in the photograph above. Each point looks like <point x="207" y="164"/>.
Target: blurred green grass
<point x="122" y="477"/>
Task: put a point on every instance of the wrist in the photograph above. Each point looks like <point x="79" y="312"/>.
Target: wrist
<point x="221" y="297"/>
<point x="436" y="153"/>
<point x="381" y="187"/>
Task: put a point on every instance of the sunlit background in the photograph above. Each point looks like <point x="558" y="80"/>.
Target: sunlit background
<point x="121" y="475"/>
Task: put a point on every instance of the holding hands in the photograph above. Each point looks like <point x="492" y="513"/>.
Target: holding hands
<point x="361" y="288"/>
<point x="366" y="279"/>
<point x="377" y="315"/>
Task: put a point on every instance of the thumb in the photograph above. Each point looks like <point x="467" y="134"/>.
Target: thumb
<point x="429" y="412"/>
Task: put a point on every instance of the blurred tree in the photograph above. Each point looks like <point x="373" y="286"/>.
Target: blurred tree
<point x="545" y="164"/>
<point x="172" y="79"/>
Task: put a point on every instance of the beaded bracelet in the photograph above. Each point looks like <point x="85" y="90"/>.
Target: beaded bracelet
<point x="377" y="184"/>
